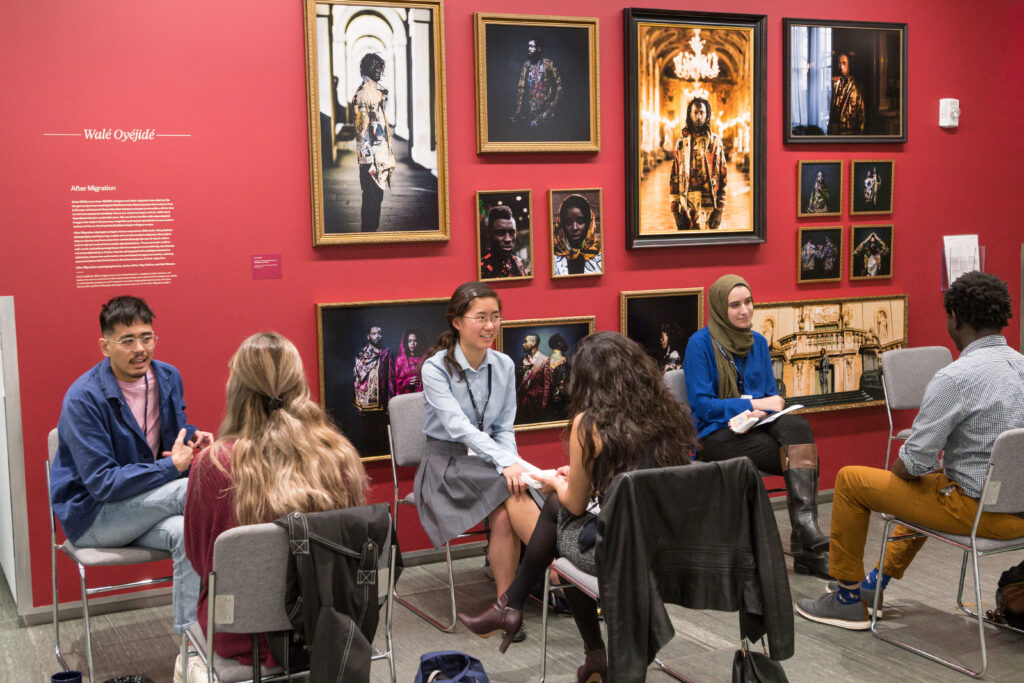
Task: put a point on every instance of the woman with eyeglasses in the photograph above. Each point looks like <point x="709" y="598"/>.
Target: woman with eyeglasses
<point x="470" y="470"/>
<point x="728" y="371"/>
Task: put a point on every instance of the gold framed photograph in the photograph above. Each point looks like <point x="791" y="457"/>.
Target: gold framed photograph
<point x="826" y="353"/>
<point x="819" y="254"/>
<point x="662" y="321"/>
<point x="377" y="135"/>
<point x="504" y="236"/>
<point x="369" y="352"/>
<point x="871" y="186"/>
<point x="577" y="235"/>
<point x="537" y="83"/>
<point x="871" y="252"/>
<point x="542" y="350"/>
<point x="819" y="189"/>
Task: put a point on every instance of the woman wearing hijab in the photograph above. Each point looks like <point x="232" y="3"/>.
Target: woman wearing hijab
<point x="728" y="371"/>
<point x="577" y="249"/>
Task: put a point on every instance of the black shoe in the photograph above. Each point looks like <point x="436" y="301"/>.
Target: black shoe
<point x="815" y="564"/>
<point x="802" y="503"/>
<point x="521" y="636"/>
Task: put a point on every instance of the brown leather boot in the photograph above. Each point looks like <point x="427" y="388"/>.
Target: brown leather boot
<point x="497" y="617"/>
<point x="595" y="667"/>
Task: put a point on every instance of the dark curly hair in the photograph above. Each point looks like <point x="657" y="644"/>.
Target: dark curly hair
<point x="370" y="62"/>
<point x="980" y="300"/>
<point x="650" y="428"/>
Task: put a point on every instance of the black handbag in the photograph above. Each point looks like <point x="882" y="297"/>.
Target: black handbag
<point x="753" y="667"/>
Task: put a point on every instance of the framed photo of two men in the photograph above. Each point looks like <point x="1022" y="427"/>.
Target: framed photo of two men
<point x="695" y="128"/>
<point x="844" y="81"/>
<point x="537" y="84"/>
<point x="377" y="135"/>
<point x="543" y="351"/>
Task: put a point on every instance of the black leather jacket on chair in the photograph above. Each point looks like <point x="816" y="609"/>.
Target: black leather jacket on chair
<point x="702" y="536"/>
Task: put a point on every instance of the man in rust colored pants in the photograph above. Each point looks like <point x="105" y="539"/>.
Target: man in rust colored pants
<point x="965" y="407"/>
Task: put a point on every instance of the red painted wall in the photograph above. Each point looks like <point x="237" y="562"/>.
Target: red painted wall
<point x="232" y="74"/>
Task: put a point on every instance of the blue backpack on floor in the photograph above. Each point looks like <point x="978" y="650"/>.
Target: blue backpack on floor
<point x="450" y="665"/>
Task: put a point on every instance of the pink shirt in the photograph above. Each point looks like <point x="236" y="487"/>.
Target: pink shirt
<point x="143" y="399"/>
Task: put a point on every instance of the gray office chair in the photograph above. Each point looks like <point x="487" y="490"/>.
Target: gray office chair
<point x="250" y="563"/>
<point x="408" y="444"/>
<point x="905" y="374"/>
<point x="91" y="557"/>
<point x="1003" y="492"/>
<point x="569" y="574"/>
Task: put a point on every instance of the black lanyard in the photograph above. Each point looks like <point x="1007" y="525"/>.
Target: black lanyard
<point x="739" y="375"/>
<point x="480" y="413"/>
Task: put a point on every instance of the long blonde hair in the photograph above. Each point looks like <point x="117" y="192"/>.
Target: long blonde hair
<point x="285" y="456"/>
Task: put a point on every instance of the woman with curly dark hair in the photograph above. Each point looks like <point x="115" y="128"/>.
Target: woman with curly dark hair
<point x="608" y="436"/>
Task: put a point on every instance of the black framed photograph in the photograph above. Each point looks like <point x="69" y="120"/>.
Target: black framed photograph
<point x="819" y="188"/>
<point x="504" y="236"/>
<point x="826" y="353"/>
<point x="577" y="236"/>
<point x="871" y="252"/>
<point x="695" y="128"/>
<point x="871" y="186"/>
<point x="371" y="351"/>
<point x="542" y="351"/>
<point x="377" y="134"/>
<point x="844" y="81"/>
<point x="820" y="257"/>
<point x="537" y="85"/>
<point x="662" y="321"/>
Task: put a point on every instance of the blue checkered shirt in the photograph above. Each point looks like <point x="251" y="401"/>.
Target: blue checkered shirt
<point x="966" y="406"/>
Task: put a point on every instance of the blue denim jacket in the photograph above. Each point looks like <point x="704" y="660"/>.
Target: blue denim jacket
<point x="103" y="455"/>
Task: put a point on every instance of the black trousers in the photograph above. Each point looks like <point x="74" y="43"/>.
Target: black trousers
<point x="760" y="444"/>
<point x="373" y="195"/>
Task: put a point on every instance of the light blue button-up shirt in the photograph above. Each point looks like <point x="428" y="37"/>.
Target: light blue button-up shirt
<point x="966" y="406"/>
<point x="450" y="413"/>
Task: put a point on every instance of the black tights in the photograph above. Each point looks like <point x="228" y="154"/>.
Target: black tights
<point x="540" y="552"/>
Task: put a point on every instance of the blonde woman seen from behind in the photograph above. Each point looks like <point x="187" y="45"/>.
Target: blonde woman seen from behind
<point x="276" y="453"/>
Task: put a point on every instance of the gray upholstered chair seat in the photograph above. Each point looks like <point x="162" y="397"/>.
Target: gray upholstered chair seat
<point x="109" y="557"/>
<point x="228" y="670"/>
<point x="588" y="582"/>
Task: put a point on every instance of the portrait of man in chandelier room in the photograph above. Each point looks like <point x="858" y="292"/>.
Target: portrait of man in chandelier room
<point x="695" y="128"/>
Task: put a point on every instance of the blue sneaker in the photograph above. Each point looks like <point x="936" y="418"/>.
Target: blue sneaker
<point x="828" y="610"/>
<point x="866" y="594"/>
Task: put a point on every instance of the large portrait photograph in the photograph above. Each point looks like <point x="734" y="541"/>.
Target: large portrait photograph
<point x="820" y="257"/>
<point x="577" y="239"/>
<point x="504" y="235"/>
<point x="844" y="81"/>
<point x="695" y="133"/>
<point x="819" y="188"/>
<point x="537" y="86"/>
<point x="662" y="321"/>
<point x="370" y="352"/>
<point x="377" y="139"/>
<point x="826" y="353"/>
<point x="542" y="351"/>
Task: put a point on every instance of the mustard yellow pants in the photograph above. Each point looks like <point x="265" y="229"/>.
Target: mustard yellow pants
<point x="924" y="501"/>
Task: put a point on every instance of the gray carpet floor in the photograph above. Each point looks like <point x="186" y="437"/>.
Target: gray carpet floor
<point x="922" y="606"/>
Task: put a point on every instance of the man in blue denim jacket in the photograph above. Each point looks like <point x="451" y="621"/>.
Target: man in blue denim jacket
<point x="120" y="472"/>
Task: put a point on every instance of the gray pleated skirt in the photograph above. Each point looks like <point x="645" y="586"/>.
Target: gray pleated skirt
<point x="455" y="491"/>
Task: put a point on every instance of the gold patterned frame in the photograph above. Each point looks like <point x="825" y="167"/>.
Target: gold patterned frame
<point x="870" y="338"/>
<point x="853" y="184"/>
<point x="333" y="345"/>
<point x="853" y="246"/>
<point x="483" y="142"/>
<point x="479" y="238"/>
<point x="800" y="280"/>
<point x="839" y="191"/>
<point x="588" y="320"/>
<point x="626" y="297"/>
<point x="600" y="228"/>
<point x="321" y="236"/>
